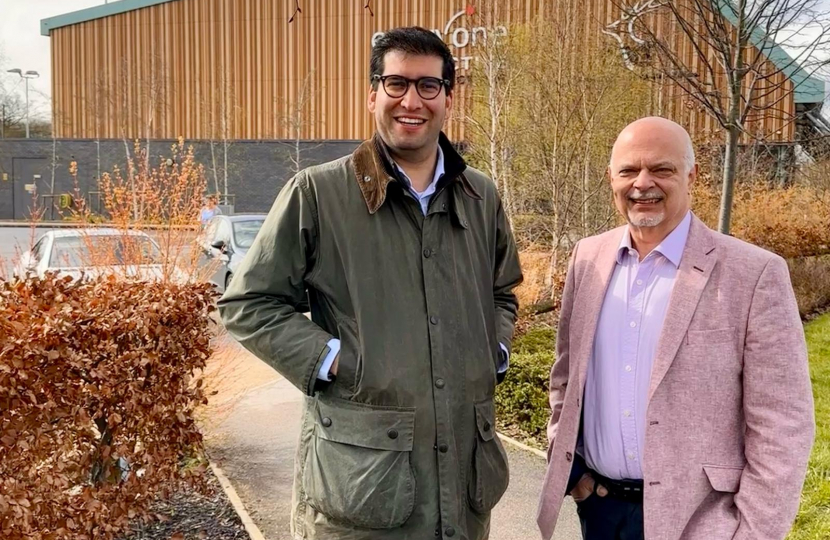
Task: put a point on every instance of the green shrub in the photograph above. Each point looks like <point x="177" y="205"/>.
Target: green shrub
<point x="522" y="398"/>
<point x="540" y="339"/>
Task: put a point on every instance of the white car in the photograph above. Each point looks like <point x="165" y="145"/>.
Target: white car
<point x="92" y="252"/>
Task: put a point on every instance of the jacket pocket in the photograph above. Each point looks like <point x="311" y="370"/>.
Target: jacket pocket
<point x="723" y="479"/>
<point x="357" y="469"/>
<point x="490" y="474"/>
<point x="711" y="337"/>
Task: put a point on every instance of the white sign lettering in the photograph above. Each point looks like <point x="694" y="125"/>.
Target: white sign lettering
<point x="460" y="37"/>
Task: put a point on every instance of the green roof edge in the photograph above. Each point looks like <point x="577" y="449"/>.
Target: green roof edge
<point x="807" y="88"/>
<point x="95" y="12"/>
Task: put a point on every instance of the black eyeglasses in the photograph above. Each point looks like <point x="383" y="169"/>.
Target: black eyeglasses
<point x="396" y="86"/>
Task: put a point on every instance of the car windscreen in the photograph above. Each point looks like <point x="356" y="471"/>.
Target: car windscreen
<point x="103" y="250"/>
<point x="244" y="232"/>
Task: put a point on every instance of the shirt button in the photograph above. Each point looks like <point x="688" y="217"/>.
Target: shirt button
<point x="449" y="531"/>
<point x="631" y="455"/>
<point x="427" y="253"/>
<point x="639" y="282"/>
<point x="632" y="324"/>
<point x="628" y="368"/>
<point x="434" y="319"/>
<point x="439" y="383"/>
<point x="626" y="413"/>
<point x="443" y="448"/>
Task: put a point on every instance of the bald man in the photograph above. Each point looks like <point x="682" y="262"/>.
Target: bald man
<point x="680" y="396"/>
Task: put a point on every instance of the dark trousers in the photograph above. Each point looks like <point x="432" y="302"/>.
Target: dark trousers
<point x="607" y="518"/>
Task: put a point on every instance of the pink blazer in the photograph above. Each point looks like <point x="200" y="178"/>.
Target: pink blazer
<point x="730" y="412"/>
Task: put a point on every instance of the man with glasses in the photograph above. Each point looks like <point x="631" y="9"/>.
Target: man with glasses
<point x="407" y="261"/>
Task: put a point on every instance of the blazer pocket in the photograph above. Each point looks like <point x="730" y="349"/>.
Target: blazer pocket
<point x="357" y="468"/>
<point x="710" y="337"/>
<point x="724" y="479"/>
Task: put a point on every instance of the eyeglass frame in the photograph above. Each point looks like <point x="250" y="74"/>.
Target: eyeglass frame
<point x="445" y="84"/>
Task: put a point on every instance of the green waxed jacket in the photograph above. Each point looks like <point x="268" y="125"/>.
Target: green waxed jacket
<point x="401" y="444"/>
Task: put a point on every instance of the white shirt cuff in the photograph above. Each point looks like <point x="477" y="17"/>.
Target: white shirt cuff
<point x="325" y="369"/>
<point x="505" y="359"/>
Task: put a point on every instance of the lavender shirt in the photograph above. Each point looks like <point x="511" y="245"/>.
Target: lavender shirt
<point x="616" y="389"/>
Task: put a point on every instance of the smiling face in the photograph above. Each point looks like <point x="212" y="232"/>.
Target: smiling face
<point x="652" y="169"/>
<point x="409" y="125"/>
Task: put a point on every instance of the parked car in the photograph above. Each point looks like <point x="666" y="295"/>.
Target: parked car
<point x="226" y="240"/>
<point x="95" y="251"/>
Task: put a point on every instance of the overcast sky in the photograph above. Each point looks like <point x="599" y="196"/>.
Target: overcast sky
<point x="23" y="47"/>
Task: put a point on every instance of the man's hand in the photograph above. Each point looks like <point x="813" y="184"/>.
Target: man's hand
<point x="333" y="369"/>
<point x="585" y="487"/>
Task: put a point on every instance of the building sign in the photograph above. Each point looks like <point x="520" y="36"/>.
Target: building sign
<point x="461" y="36"/>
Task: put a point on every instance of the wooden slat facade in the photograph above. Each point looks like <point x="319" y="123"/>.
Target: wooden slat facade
<point x="212" y="69"/>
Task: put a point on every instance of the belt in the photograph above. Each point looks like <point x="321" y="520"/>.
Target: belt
<point x="625" y="490"/>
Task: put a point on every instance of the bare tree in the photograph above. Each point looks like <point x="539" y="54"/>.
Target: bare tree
<point x="298" y="120"/>
<point x="12" y="106"/>
<point x="494" y="76"/>
<point x="548" y="101"/>
<point x="218" y="116"/>
<point x="728" y="56"/>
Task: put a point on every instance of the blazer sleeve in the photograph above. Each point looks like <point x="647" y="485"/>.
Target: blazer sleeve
<point x="560" y="372"/>
<point x="778" y="409"/>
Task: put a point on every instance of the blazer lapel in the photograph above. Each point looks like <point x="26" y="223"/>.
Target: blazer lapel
<point x="695" y="268"/>
<point x="587" y="306"/>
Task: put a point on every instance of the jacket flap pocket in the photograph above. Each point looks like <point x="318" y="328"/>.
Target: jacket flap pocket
<point x="486" y="419"/>
<point x="367" y="426"/>
<point x="709" y="337"/>
<point x="724" y="479"/>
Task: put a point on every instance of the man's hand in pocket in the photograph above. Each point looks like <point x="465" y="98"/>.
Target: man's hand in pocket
<point x="585" y="487"/>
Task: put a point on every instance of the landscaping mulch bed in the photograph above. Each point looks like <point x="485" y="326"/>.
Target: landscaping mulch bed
<point x="189" y="515"/>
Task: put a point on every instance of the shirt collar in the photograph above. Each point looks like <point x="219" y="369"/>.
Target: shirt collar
<point x="439" y="172"/>
<point x="671" y="247"/>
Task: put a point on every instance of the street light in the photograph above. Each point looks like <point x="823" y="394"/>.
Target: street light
<point x="28" y="75"/>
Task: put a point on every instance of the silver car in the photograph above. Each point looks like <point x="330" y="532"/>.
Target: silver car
<point x="95" y="251"/>
<point x="226" y="240"/>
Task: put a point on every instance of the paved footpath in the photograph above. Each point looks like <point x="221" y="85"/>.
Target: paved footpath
<point x="253" y="438"/>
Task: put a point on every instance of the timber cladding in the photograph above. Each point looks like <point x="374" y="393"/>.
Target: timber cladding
<point x="237" y="69"/>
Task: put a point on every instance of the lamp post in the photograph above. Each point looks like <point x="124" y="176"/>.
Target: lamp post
<point x="26" y="76"/>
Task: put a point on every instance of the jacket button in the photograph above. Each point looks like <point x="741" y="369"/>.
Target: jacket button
<point x="568" y="456"/>
<point x="433" y="319"/>
<point x="443" y="448"/>
<point x="427" y="253"/>
<point x="486" y="426"/>
<point x="439" y="383"/>
<point x="326" y="422"/>
<point x="393" y="433"/>
<point x="449" y="531"/>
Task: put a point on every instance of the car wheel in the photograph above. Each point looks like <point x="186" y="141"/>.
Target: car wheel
<point x="228" y="279"/>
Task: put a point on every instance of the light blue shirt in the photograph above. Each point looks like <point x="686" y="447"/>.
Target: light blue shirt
<point x="619" y="373"/>
<point x="423" y="199"/>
